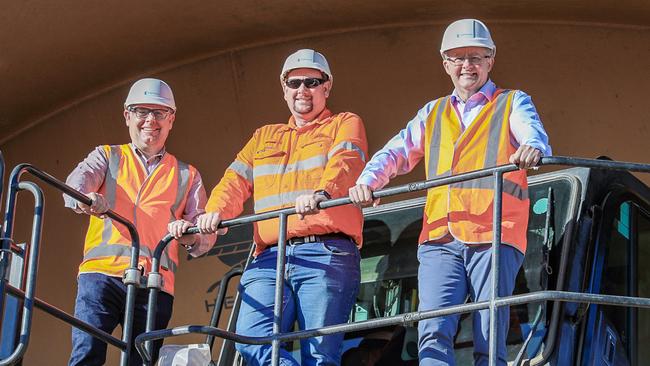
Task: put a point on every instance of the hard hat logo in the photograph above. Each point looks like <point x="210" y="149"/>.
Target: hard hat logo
<point x="467" y="33"/>
<point x="151" y="91"/>
<point x="306" y="59"/>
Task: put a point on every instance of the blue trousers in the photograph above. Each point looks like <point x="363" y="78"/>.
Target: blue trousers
<point x="101" y="300"/>
<point x="447" y="275"/>
<point x="320" y="287"/>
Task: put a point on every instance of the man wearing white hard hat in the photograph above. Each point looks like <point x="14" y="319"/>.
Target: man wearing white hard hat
<point x="314" y="156"/>
<point x="147" y="185"/>
<point x="477" y="126"/>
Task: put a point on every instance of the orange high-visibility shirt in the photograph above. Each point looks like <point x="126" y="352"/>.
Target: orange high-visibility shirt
<point x="282" y="161"/>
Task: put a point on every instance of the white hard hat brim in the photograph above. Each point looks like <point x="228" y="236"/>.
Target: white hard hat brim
<point x="493" y="48"/>
<point x="154" y="101"/>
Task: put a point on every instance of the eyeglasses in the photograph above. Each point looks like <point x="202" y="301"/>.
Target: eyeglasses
<point x="310" y="83"/>
<point x="472" y="59"/>
<point x="158" y="114"/>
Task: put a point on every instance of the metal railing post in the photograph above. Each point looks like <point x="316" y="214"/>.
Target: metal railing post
<point x="132" y="274"/>
<point x="279" y="290"/>
<point x="496" y="242"/>
<point x="154" y="284"/>
<point x="32" y="268"/>
<point x="221" y="297"/>
<point x="5" y="247"/>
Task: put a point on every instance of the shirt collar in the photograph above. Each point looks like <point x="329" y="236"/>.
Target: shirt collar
<point x="322" y="118"/>
<point x="487" y="91"/>
<point x="139" y="152"/>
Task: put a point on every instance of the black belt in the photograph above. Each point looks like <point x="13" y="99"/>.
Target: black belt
<point x="316" y="238"/>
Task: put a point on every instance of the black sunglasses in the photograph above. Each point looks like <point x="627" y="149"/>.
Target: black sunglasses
<point x="309" y="83"/>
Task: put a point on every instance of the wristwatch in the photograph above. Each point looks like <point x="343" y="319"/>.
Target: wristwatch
<point x="322" y="192"/>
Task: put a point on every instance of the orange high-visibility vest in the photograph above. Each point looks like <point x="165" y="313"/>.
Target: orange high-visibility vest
<point x="150" y="201"/>
<point x="465" y="209"/>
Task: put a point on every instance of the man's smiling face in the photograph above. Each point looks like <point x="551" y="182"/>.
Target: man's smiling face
<point x="473" y="73"/>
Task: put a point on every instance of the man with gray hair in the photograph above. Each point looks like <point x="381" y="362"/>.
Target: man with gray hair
<point x="315" y="156"/>
<point x="477" y="126"/>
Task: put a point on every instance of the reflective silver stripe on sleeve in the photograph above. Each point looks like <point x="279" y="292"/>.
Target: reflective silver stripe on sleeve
<point x="496" y="124"/>
<point x="509" y="187"/>
<point x="119" y="250"/>
<point x="434" y="144"/>
<point x="243" y="170"/>
<point x="279" y="200"/>
<point x="110" y="187"/>
<point x="346" y="145"/>
<point x="318" y="161"/>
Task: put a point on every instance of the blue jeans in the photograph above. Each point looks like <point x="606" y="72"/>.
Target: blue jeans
<point x="320" y="287"/>
<point x="447" y="275"/>
<point x="101" y="300"/>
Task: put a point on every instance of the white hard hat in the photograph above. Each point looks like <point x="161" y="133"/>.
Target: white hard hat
<point x="467" y="33"/>
<point x="308" y="59"/>
<point x="151" y="91"/>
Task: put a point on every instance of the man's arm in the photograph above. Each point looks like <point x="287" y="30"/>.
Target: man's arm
<point x="528" y="132"/>
<point x="399" y="156"/>
<point x="235" y="187"/>
<point x="345" y="160"/>
<point x="87" y="178"/>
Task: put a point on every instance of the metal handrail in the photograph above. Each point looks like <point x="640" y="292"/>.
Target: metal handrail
<point x="132" y="274"/>
<point x="62" y="315"/>
<point x="32" y="268"/>
<point x="494" y="302"/>
<point x="402" y="319"/>
<point x="221" y="297"/>
<point x="154" y="285"/>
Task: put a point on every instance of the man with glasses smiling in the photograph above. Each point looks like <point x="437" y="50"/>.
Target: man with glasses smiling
<point x="477" y="126"/>
<point x="148" y="186"/>
<point x="315" y="156"/>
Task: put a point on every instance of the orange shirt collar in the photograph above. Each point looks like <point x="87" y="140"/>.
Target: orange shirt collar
<point x="322" y="118"/>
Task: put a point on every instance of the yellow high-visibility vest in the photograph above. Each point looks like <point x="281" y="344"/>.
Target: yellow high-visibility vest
<point x="150" y="201"/>
<point x="465" y="209"/>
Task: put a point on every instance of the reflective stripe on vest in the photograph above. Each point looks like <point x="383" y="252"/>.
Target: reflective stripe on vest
<point x="119" y="250"/>
<point x="122" y="251"/>
<point x="465" y="207"/>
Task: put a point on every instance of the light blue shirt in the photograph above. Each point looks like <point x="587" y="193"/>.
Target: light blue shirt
<point x="402" y="153"/>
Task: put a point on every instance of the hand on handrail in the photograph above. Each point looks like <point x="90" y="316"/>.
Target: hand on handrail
<point x="194" y="242"/>
<point x="208" y="223"/>
<point x="526" y="157"/>
<point x="361" y="195"/>
<point x="98" y="207"/>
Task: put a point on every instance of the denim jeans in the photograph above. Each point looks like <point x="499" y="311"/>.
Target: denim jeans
<point x="101" y="300"/>
<point x="320" y="287"/>
<point x="448" y="273"/>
